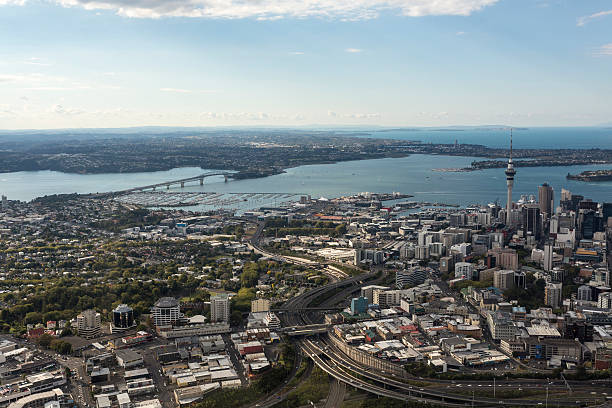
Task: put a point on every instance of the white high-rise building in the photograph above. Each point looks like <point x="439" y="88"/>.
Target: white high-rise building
<point x="166" y="311"/>
<point x="552" y="294"/>
<point x="548" y="256"/>
<point x="464" y="270"/>
<point x="503" y="279"/>
<point x="554" y="224"/>
<point x="88" y="324"/>
<point x="220" y="308"/>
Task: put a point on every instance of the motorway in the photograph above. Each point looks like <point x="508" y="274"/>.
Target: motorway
<point x="336" y="363"/>
<point x="340" y="367"/>
<point x="337" y="392"/>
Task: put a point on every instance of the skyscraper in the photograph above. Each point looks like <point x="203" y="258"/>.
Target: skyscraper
<point x="531" y="220"/>
<point x="545" y="198"/>
<point x="510" y="172"/>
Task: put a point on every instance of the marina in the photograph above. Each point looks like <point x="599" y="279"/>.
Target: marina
<point x="204" y="200"/>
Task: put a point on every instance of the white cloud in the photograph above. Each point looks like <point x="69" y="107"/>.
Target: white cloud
<point x="12" y="2"/>
<point x="296" y="53"/>
<point x="276" y="9"/>
<point x="353" y="115"/>
<point x="36" y="61"/>
<point x="176" y="90"/>
<point x="61" y="110"/>
<point x="43" y="82"/>
<point x="251" y="116"/>
<point x="587" y="19"/>
<point x="186" y="91"/>
<point x="460" y="33"/>
<point x="604" y="51"/>
<point x="353" y="50"/>
<point x="35" y="78"/>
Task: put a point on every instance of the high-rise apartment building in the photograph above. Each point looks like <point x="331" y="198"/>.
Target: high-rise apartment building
<point x="88" y="324"/>
<point x="220" y="308"/>
<point x="503" y="279"/>
<point x="260" y="305"/>
<point x="166" y="311"/>
<point x="552" y="294"/>
<point x="548" y="256"/>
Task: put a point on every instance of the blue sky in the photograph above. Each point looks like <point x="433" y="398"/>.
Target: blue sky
<point x="112" y="63"/>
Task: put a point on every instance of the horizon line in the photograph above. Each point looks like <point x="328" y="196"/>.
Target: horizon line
<point x="310" y="126"/>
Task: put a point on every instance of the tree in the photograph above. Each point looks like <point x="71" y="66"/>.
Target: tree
<point x="236" y="318"/>
<point x="66" y="332"/>
<point x="33" y="318"/>
<point x="44" y="340"/>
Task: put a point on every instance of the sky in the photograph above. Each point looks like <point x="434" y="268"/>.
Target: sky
<point x="119" y="63"/>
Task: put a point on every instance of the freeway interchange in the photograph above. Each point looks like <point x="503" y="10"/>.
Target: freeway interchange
<point x="323" y="351"/>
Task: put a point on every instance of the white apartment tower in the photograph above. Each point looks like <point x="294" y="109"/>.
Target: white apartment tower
<point x="552" y="294"/>
<point x="220" y="308"/>
<point x="166" y="311"/>
<point x="88" y="324"/>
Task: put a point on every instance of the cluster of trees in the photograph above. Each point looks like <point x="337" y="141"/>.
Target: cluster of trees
<point x="532" y="297"/>
<point x="279" y="227"/>
<point x="59" y="346"/>
<point x="314" y="389"/>
<point x="476" y="284"/>
<point x="139" y="217"/>
<point x="69" y="296"/>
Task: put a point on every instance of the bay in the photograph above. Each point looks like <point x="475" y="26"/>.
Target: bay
<point x="410" y="175"/>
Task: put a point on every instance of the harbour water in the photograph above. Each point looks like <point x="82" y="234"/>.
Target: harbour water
<point x="524" y="138"/>
<point x="409" y="175"/>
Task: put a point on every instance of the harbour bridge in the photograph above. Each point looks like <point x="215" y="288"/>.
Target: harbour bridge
<point x="180" y="182"/>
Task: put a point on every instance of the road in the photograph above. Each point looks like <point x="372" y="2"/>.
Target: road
<point x="166" y="397"/>
<point x="234" y="356"/>
<point x="337" y="391"/>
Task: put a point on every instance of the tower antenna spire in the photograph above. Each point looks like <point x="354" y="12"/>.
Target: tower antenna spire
<point x="510" y="144"/>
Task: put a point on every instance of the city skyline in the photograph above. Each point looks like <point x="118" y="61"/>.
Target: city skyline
<point x="366" y="63"/>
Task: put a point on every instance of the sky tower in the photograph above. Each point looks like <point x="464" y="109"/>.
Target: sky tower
<point x="510" y="172"/>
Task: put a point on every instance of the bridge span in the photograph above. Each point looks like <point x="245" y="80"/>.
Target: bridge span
<point x="180" y="182"/>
